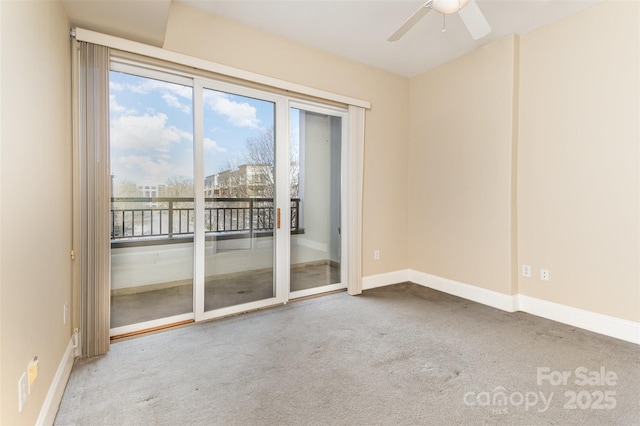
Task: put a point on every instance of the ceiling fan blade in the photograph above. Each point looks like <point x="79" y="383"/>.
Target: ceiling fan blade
<point x="409" y="23"/>
<point x="474" y="20"/>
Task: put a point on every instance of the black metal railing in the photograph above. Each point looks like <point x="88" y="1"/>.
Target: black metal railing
<point x="165" y="217"/>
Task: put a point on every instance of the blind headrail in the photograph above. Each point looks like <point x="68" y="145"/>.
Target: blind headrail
<point x="89" y="36"/>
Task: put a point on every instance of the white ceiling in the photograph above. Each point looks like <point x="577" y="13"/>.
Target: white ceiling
<point x="353" y="29"/>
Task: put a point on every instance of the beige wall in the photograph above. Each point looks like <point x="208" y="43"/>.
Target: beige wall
<point x="460" y="168"/>
<point x="35" y="226"/>
<point x="199" y="34"/>
<point x="527" y="151"/>
<point x="578" y="180"/>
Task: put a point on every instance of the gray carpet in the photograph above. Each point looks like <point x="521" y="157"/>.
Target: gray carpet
<point x="398" y="355"/>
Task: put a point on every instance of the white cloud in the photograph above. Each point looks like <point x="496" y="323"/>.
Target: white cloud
<point x="173" y="101"/>
<point x="240" y="114"/>
<point x="150" y="85"/>
<point x="116" y="87"/>
<point x="115" y="107"/>
<point x="143" y="168"/>
<point x="171" y="93"/>
<point x="146" y="132"/>
<point x="212" y="145"/>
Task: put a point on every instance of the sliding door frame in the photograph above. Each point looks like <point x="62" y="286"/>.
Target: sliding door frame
<point x="281" y="120"/>
<point x="352" y="146"/>
<point x="345" y="242"/>
<point x="167" y="75"/>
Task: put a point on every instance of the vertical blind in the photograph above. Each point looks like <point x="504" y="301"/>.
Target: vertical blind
<point x="91" y="78"/>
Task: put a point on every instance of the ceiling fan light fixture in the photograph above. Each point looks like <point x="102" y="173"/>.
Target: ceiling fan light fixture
<point x="448" y="6"/>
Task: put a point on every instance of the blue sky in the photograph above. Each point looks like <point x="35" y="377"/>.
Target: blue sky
<point x="151" y="129"/>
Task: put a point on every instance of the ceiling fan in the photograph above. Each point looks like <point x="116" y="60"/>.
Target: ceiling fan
<point x="468" y="10"/>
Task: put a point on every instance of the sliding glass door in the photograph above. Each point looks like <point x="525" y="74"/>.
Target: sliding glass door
<point x="224" y="199"/>
<point x="239" y="213"/>
<point x="316" y="200"/>
<point x="152" y="220"/>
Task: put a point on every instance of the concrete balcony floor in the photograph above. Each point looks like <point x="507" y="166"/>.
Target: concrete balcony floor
<point x="222" y="291"/>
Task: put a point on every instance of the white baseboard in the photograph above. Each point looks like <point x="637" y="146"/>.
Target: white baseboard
<point x="380" y="280"/>
<point x="311" y="244"/>
<point x="592" y="321"/>
<point x="603" y="324"/>
<point x="491" y="298"/>
<point x="56" y="390"/>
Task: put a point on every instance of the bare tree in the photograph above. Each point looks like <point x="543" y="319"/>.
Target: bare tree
<point x="254" y="177"/>
<point x="125" y="188"/>
<point x="178" y="187"/>
<point x="260" y="154"/>
<point x="294" y="170"/>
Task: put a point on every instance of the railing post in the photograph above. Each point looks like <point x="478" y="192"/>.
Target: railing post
<point x="170" y="230"/>
<point x="251" y="218"/>
<point x="296" y="223"/>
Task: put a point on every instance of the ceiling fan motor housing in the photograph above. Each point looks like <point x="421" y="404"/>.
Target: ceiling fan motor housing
<point x="448" y="6"/>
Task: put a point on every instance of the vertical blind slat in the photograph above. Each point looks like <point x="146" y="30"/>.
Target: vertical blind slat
<point x="93" y="140"/>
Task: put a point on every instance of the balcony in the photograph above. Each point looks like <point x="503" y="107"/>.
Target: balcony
<point x="139" y="221"/>
<point x="152" y="254"/>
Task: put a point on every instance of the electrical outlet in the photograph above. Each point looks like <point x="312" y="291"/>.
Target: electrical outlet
<point x="526" y="271"/>
<point x="77" y="351"/>
<point x="544" y="274"/>
<point x="22" y="391"/>
<point x="376" y="254"/>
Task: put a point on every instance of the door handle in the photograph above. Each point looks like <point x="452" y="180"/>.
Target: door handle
<point x="278" y="219"/>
